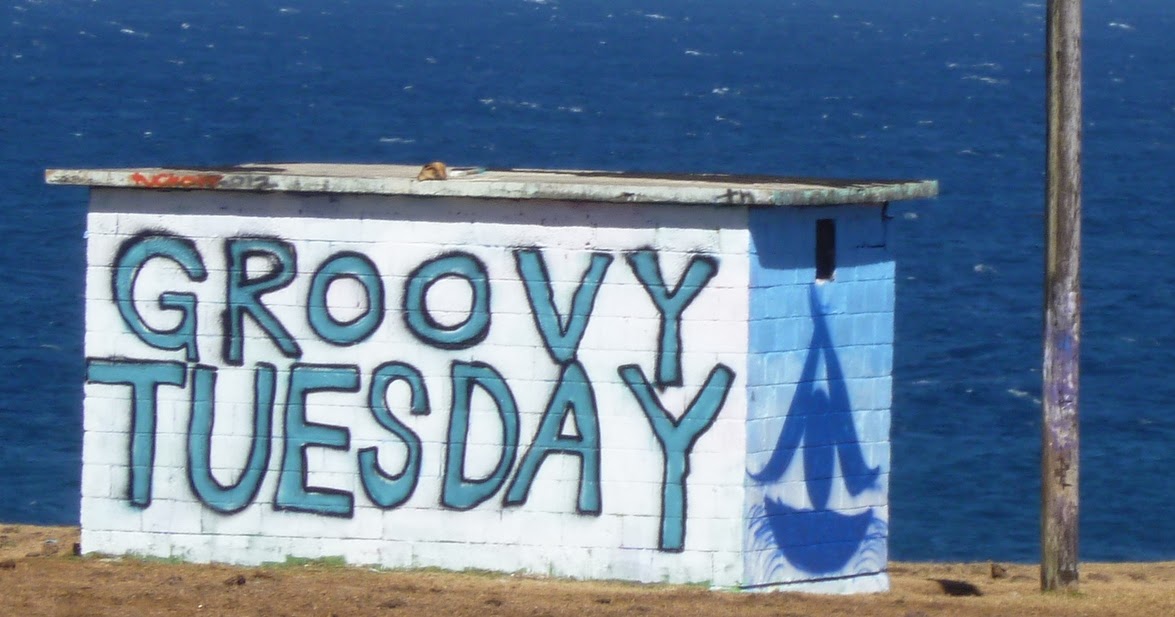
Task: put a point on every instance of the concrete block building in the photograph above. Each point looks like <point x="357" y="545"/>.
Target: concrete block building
<point x="681" y="378"/>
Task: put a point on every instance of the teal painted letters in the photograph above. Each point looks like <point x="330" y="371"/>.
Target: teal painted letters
<point x="390" y="490"/>
<point x="236" y="497"/>
<point x="573" y="395"/>
<point x="292" y="491"/>
<point x="560" y="335"/>
<point x="677" y="438"/>
<point x="243" y="294"/>
<point x="457" y="491"/>
<point x="671" y="305"/>
<point x="144" y="377"/>
<point x="428" y="330"/>
<point x="345" y="265"/>
<point x="133" y="254"/>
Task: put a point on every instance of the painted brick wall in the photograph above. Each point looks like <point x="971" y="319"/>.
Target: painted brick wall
<point x="583" y="390"/>
<point x="820" y="357"/>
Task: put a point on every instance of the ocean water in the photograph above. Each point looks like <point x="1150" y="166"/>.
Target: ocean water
<point x="945" y="90"/>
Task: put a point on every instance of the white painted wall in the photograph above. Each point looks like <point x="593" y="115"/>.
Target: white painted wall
<point x="544" y="535"/>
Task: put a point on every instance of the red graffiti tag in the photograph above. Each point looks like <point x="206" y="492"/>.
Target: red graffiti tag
<point x="170" y="180"/>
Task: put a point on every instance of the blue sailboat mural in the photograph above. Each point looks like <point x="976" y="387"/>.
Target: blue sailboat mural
<point x="819" y="428"/>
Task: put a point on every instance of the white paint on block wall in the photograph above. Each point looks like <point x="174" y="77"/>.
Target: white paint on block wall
<point x="630" y="534"/>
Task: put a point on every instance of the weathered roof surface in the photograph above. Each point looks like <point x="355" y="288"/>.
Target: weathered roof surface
<point x="598" y="186"/>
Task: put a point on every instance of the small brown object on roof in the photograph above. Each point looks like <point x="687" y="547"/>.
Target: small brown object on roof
<point x="435" y="170"/>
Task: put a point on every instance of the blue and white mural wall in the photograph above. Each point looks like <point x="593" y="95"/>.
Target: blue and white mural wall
<point x="820" y="359"/>
<point x="586" y="390"/>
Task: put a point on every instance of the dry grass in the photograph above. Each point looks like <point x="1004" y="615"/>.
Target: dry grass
<point x="40" y="576"/>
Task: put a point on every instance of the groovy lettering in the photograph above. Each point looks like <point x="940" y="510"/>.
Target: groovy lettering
<point x="256" y="267"/>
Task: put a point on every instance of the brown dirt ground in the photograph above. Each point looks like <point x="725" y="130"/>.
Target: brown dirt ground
<point x="40" y="576"/>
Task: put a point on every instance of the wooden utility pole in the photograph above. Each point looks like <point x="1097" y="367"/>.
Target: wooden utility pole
<point x="1062" y="301"/>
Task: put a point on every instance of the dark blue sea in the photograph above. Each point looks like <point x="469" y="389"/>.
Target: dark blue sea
<point x="949" y="90"/>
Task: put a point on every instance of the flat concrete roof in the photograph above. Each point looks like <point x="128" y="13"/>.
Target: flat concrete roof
<point x="558" y="185"/>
